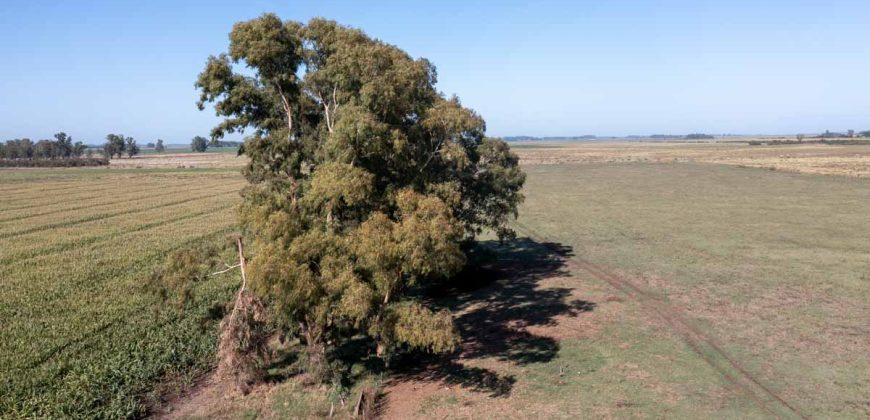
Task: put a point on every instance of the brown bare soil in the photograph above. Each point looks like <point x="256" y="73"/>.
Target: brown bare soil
<point x="213" y="398"/>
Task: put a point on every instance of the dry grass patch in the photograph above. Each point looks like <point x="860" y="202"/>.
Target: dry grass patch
<point x="181" y="160"/>
<point x="847" y="160"/>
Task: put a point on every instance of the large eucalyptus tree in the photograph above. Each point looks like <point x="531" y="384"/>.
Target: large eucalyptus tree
<point x="364" y="180"/>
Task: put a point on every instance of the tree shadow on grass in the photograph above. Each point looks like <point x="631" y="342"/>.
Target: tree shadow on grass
<point x="495" y="303"/>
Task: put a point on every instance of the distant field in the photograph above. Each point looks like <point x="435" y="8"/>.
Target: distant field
<point x="80" y="337"/>
<point x="851" y="160"/>
<point x="173" y="149"/>
<point x="175" y="159"/>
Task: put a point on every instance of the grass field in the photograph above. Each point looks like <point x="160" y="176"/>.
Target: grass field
<point x="79" y="336"/>
<point x="648" y="287"/>
<point x="709" y="291"/>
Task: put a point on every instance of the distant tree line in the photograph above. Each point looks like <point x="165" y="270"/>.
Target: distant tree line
<point x="62" y="147"/>
<point x="61" y="151"/>
<point x="158" y="147"/>
<point x="224" y="143"/>
<point x="201" y="144"/>
<point x="533" y="138"/>
<point x="119" y="145"/>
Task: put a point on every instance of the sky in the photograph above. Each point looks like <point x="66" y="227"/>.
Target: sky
<point x="541" y="68"/>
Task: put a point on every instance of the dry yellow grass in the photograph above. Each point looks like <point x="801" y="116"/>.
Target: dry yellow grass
<point x="852" y="160"/>
<point x="178" y="160"/>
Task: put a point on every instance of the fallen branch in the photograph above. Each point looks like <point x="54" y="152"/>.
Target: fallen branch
<point x="229" y="267"/>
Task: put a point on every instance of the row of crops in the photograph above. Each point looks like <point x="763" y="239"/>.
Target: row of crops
<point x="81" y="335"/>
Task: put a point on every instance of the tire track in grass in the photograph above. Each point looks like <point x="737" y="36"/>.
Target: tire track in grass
<point x="84" y="186"/>
<point x="82" y="192"/>
<point x="29" y="190"/>
<point x="24" y="245"/>
<point x="96" y="239"/>
<point x="26" y="185"/>
<point x="39" y="273"/>
<point x="701" y="343"/>
<point x="127" y="198"/>
<point x="103" y="216"/>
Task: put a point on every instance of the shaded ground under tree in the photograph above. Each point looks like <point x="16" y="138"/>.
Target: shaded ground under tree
<point x="500" y="300"/>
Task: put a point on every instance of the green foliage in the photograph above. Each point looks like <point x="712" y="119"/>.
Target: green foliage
<point x="118" y="144"/>
<point x="364" y="180"/>
<point x="159" y="147"/>
<point x="199" y="144"/>
<point x="131" y="147"/>
<point x="182" y="270"/>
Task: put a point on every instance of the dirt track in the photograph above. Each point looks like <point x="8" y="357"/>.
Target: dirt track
<point x="707" y="347"/>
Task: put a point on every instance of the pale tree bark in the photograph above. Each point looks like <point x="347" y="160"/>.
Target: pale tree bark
<point x="285" y="103"/>
<point x="329" y="109"/>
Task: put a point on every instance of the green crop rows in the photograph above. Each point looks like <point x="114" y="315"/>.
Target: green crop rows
<point x="81" y="337"/>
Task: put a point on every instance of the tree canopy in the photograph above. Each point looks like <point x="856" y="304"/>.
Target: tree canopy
<point x="364" y="181"/>
<point x="199" y="144"/>
<point x="118" y="144"/>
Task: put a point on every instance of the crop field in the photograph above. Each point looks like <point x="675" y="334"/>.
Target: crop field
<point x="80" y="336"/>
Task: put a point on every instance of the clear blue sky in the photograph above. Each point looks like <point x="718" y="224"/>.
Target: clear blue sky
<point x="536" y="68"/>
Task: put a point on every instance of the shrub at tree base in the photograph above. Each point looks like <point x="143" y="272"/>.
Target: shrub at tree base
<point x="365" y="183"/>
<point x="242" y="345"/>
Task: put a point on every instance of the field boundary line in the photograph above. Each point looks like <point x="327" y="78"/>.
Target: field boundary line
<point x="703" y="344"/>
